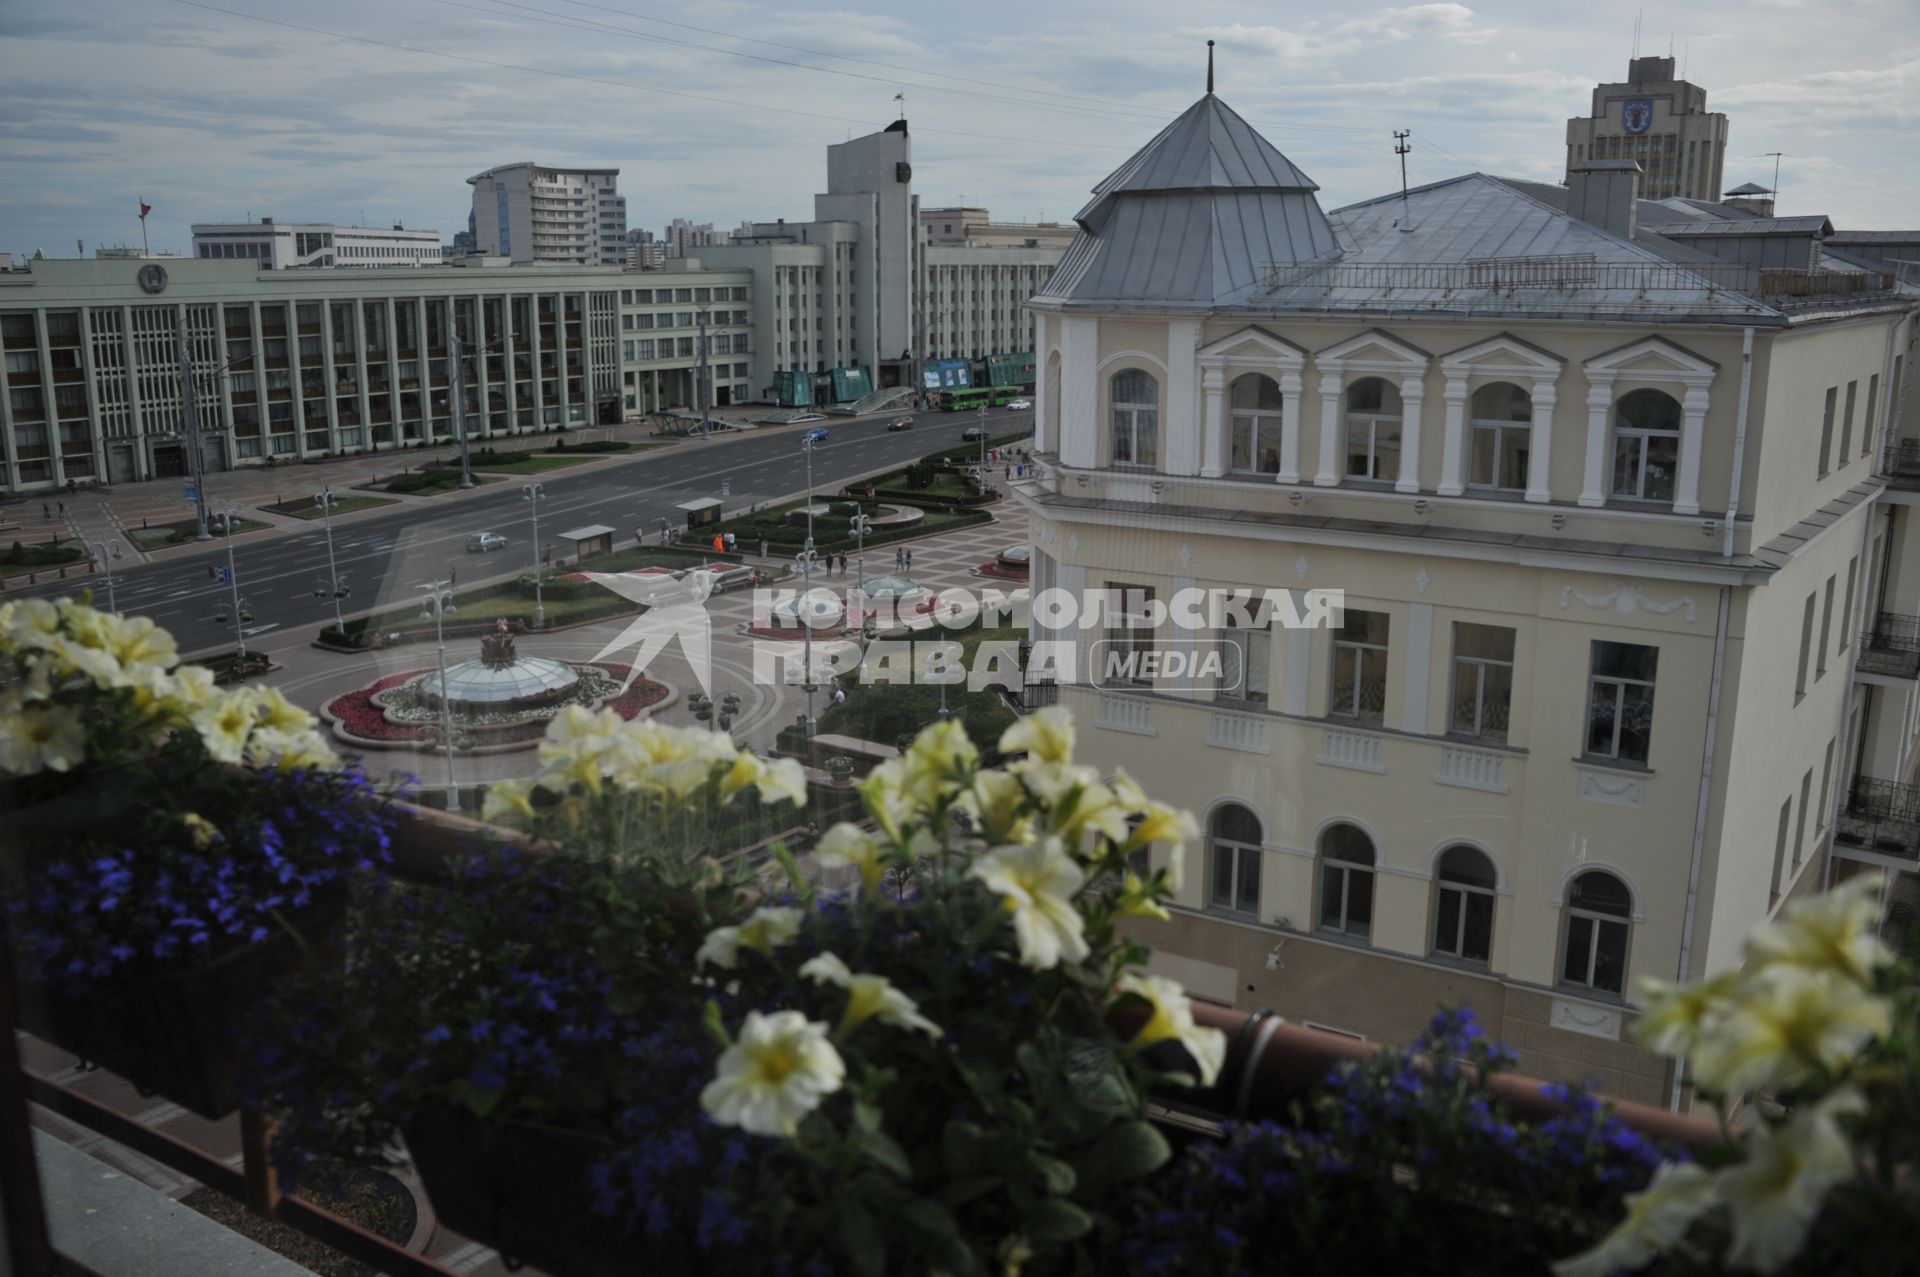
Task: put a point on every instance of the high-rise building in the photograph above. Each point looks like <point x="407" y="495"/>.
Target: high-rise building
<point x="1616" y="510"/>
<point x="533" y="213"/>
<point x="275" y="245"/>
<point x="685" y="239"/>
<point x="1661" y="122"/>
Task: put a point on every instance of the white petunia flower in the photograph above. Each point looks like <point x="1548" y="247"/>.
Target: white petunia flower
<point x="1037" y="882"/>
<point x="1172" y="1019"/>
<point x="39" y="738"/>
<point x="848" y="846"/>
<point x="1045" y="736"/>
<point x="1776" y="1191"/>
<point x="778" y="1071"/>
<point x="1838" y="930"/>
<point x="1785" y="1023"/>
<point x="766" y="929"/>
<point x="1658" y="1216"/>
<point x="868" y="996"/>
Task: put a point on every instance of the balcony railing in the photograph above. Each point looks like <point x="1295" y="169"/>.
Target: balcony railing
<point x="1891" y="646"/>
<point x="1900" y="462"/>
<point x="1881" y="816"/>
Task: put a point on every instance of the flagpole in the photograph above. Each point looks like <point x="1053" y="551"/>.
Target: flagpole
<point x="145" y="251"/>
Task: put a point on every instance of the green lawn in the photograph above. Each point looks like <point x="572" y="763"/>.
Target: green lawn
<point x="306" y="509"/>
<point x="832" y="531"/>
<point x="428" y="482"/>
<point x="23" y="554"/>
<point x="567" y="603"/>
<point x="181" y="531"/>
<point x="530" y="465"/>
<point x="886" y="712"/>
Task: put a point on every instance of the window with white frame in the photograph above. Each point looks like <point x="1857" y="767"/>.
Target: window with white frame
<point x="1233" y="857"/>
<point x="1346" y="881"/>
<point x="1620" y="701"/>
<point x="1482" y="680"/>
<point x="1360" y="666"/>
<point x="1646" y="445"/>
<point x="1502" y="437"/>
<point x="1463" y="901"/>
<point x="1135" y="399"/>
<point x="1246" y="653"/>
<point x="1599" y="914"/>
<point x="1129" y="634"/>
<point x="1255" y="441"/>
<point x="1373" y="429"/>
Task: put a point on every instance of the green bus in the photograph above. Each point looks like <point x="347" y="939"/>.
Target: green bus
<point x="979" y="397"/>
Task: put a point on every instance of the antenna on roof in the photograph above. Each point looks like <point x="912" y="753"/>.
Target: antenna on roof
<point x="1209" y="66"/>
<point x="1636" y="32"/>
<point x="1400" y="148"/>
<point x="900" y="104"/>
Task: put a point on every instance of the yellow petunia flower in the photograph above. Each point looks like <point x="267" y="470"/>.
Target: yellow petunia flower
<point x="1172" y="1020"/>
<point x="1036" y="883"/>
<point x="869" y="997"/>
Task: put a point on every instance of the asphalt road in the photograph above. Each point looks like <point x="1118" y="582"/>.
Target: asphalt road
<point x="382" y="558"/>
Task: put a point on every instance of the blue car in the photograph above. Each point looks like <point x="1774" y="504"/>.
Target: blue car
<point x="814" y="436"/>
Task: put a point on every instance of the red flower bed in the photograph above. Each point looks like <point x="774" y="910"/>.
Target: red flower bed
<point x="356" y="714"/>
<point x="1001" y="570"/>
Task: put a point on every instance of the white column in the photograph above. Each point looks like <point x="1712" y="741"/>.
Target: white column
<point x="1540" y="451"/>
<point x="1213" y="422"/>
<point x="1289" y="428"/>
<point x="1593" y="490"/>
<point x="1045" y="430"/>
<point x="1454" y="442"/>
<point x="1413" y="393"/>
<point x="1079" y="391"/>
<point x="1693" y="429"/>
<point x="1419" y="672"/>
<point x="1332" y="386"/>
<point x="1179" y="427"/>
<point x="1299" y="667"/>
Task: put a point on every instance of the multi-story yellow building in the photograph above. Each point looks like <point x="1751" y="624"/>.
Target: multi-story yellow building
<point x="1628" y="651"/>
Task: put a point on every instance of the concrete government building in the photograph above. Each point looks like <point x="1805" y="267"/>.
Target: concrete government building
<point x="1661" y="123"/>
<point x="1617" y="491"/>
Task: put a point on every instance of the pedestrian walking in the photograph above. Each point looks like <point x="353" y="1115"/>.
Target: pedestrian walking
<point x="909" y="560"/>
<point x="46" y="512"/>
<point x="213" y="573"/>
<point x="763" y="547"/>
<point x="839" y="696"/>
<point x="453" y="576"/>
<point x="63" y="509"/>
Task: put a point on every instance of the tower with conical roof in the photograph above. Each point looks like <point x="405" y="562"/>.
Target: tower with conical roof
<point x="1197" y="218"/>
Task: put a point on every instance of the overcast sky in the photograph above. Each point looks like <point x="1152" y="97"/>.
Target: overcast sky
<point x="212" y="114"/>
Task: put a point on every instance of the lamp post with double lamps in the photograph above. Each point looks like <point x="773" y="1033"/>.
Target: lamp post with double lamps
<point x="324" y="499"/>
<point x="531" y="494"/>
<point x="460" y="348"/>
<point x="807" y="557"/>
<point x="229" y="515"/>
<point x="107" y="549"/>
<point x="437" y="602"/>
<point x="190" y="404"/>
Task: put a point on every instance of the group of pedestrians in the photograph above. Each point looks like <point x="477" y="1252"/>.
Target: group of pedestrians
<point x="902" y="558"/>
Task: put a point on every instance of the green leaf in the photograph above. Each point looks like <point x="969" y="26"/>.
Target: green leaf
<point x="962" y="1189"/>
<point x="802" y="887"/>
<point x="950" y="1250"/>
<point x="965" y="1149"/>
<point x="1129" y="1151"/>
<point x="861" y="1240"/>
<point x="716" y="1028"/>
<point x="1055" y="1219"/>
<point x="1054" y="1173"/>
<point x="880" y="1148"/>
<point x="866" y="1117"/>
<point x="480" y="1102"/>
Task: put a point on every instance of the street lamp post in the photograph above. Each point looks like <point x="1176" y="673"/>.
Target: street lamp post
<point x="190" y="405"/>
<point x="983" y="442"/>
<point x="460" y="348"/>
<point x="437" y="602"/>
<point x="324" y="499"/>
<point x="228" y="514"/>
<point x="108" y="549"/>
<point x="860" y="525"/>
<point x="531" y="494"/>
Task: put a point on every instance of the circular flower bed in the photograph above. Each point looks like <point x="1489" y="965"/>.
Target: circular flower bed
<point x="369" y="717"/>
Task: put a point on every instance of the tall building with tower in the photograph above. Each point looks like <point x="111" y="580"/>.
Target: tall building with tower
<point x="1662" y="123"/>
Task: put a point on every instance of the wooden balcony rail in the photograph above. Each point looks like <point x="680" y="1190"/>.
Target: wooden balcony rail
<point x="1270" y="1063"/>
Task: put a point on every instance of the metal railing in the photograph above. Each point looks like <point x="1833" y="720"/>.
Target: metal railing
<point x="1900" y="461"/>
<point x="1891" y="646"/>
<point x="1566" y="272"/>
<point x="1881" y="816"/>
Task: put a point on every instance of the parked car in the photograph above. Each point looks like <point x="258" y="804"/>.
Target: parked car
<point x="814" y="436"/>
<point x="905" y="423"/>
<point x="484" y="541"/>
<point x="1021" y="405"/>
<point x="971" y="433"/>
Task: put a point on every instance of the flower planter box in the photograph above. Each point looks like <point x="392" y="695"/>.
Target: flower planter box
<point x="173" y="1032"/>
<point x="526" y="1193"/>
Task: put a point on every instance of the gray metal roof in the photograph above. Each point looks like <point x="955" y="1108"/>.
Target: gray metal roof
<point x="1195" y="218"/>
<point x="1749" y="188"/>
<point x="1806" y="225"/>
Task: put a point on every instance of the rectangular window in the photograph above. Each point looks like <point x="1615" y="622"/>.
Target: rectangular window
<point x="1463" y="921"/>
<point x="1826" y="629"/>
<point x="1846" y="614"/>
<point x="1620" y="701"/>
<point x="1800" y="821"/>
<point x="1867" y="422"/>
<point x="1129" y="638"/>
<point x="1236" y="876"/>
<point x="1360" y="666"/>
<point x="1245" y="654"/>
<point x="1780" y="845"/>
<point x="1596" y="952"/>
<point x="1482" y="680"/>
<point x="1824" y="811"/>
<point x="1846" y="423"/>
<point x="1826" y="428"/>
<point x="1806" y="650"/>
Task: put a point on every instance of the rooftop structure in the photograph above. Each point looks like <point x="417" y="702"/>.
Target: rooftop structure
<point x="275" y="245"/>
<point x="1661" y="122"/>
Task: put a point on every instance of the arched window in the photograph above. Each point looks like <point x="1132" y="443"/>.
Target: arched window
<point x="1135" y="397"/>
<point x="1256" y="424"/>
<point x="1646" y="445"/>
<point x="1373" y="429"/>
<point x="1502" y="437"/>
<point x="1599" y="908"/>
<point x="1233" y="842"/>
<point x="1346" y="881"/>
<point x="1463" y="905"/>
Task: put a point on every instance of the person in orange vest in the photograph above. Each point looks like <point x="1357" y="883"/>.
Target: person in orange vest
<point x="719" y="543"/>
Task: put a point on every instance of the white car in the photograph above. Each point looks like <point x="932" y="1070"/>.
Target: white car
<point x="1021" y="405"/>
<point x="481" y="542"/>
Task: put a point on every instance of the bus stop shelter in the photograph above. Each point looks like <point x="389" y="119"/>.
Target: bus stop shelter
<point x="701" y="512"/>
<point x="595" y="538"/>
